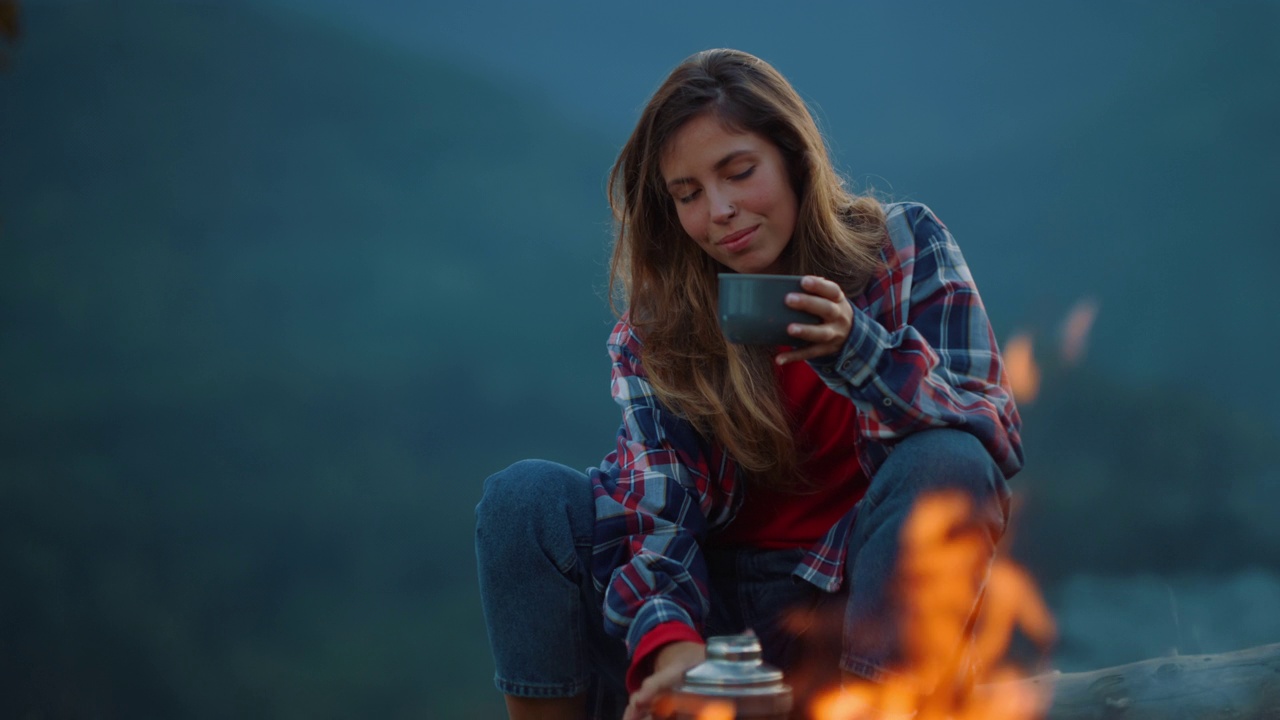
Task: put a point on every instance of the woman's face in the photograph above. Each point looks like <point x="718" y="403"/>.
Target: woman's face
<point x="732" y="194"/>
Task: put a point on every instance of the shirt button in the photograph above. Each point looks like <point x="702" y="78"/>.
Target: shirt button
<point x="888" y="402"/>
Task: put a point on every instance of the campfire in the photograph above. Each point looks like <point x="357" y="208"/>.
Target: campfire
<point x="1075" y="330"/>
<point x="962" y="610"/>
<point x="954" y="669"/>
<point x="1020" y="363"/>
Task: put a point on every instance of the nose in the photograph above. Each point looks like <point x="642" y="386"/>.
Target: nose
<point x="722" y="208"/>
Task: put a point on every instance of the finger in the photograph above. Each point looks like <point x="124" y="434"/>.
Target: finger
<point x="641" y="700"/>
<point x="819" y="340"/>
<point x="818" y="332"/>
<point x="637" y="712"/>
<point x="806" y="353"/>
<point x="822" y="287"/>
<point x="827" y="310"/>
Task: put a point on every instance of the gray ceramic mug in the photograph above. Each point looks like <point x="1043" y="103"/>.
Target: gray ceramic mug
<point x="753" y="309"/>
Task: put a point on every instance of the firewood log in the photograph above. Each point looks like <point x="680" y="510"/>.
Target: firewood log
<point x="1240" y="685"/>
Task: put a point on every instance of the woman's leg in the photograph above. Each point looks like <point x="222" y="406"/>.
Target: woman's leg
<point x="533" y="543"/>
<point x="754" y="589"/>
<point x="923" y="462"/>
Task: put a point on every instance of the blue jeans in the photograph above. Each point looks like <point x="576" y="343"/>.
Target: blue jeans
<point x="546" y="630"/>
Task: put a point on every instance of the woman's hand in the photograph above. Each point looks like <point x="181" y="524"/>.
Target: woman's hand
<point x="668" y="670"/>
<point x="825" y="299"/>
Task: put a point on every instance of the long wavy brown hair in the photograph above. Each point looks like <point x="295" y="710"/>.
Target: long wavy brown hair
<point x="667" y="285"/>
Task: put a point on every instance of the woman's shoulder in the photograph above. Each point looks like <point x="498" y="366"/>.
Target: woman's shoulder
<point x="911" y="215"/>
<point x="624" y="339"/>
<point x="912" y="225"/>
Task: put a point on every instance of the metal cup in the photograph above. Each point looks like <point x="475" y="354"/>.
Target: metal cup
<point x="753" y="309"/>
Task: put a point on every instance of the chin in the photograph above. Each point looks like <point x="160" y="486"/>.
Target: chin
<point x="758" y="268"/>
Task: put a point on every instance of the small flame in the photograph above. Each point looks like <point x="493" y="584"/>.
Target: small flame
<point x="717" y="711"/>
<point x="675" y="705"/>
<point x="1075" y="331"/>
<point x="1012" y="602"/>
<point x="1020" y="364"/>
<point x="946" y="673"/>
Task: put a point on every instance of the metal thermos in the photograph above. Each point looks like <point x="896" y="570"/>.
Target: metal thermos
<point x="733" y="673"/>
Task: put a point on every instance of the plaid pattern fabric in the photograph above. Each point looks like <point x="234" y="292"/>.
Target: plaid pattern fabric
<point x="921" y="355"/>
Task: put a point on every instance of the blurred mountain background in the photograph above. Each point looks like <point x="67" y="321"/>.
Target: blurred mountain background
<point x="282" y="282"/>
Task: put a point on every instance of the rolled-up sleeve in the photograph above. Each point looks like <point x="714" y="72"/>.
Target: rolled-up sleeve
<point x="922" y="353"/>
<point x="656" y="496"/>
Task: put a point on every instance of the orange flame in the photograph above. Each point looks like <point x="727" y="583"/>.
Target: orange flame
<point x="1075" y="331"/>
<point x="953" y="669"/>
<point x="717" y="711"/>
<point x="675" y="706"/>
<point x="1020" y="364"/>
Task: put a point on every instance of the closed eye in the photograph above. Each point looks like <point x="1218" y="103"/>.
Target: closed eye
<point x="744" y="174"/>
<point x="686" y="199"/>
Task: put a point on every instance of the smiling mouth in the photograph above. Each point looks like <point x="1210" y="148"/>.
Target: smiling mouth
<point x="738" y="239"/>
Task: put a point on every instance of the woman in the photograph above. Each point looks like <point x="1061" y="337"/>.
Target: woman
<point x="747" y="481"/>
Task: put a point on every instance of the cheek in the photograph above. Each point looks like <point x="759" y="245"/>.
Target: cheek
<point x="779" y="203"/>
<point x="761" y="201"/>
<point x="775" y="197"/>
<point x="792" y="205"/>
<point x="692" y="225"/>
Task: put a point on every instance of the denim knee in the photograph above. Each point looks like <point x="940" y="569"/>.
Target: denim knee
<point x="538" y="506"/>
<point x="948" y="459"/>
<point x="533" y="535"/>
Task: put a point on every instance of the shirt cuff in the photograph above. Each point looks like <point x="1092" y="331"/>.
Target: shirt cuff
<point x="661" y="635"/>
<point x="857" y="361"/>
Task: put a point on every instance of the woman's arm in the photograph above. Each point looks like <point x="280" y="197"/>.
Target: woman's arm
<point x="656" y="496"/>
<point x="668" y="671"/>
<point x="921" y="353"/>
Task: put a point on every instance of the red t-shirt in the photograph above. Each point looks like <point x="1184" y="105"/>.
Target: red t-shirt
<point x="826" y="432"/>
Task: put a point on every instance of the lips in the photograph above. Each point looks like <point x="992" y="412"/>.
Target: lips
<point x="738" y="240"/>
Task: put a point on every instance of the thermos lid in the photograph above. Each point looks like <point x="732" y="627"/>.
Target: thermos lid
<point x="733" y="667"/>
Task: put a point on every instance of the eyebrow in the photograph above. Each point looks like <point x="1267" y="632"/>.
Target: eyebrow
<point x="719" y="164"/>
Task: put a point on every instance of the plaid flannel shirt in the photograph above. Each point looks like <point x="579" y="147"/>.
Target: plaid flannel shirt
<point x="921" y="354"/>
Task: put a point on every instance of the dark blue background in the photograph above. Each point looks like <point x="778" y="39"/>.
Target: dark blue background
<point x="281" y="283"/>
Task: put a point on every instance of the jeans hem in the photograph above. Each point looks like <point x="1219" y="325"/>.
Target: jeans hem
<point x="572" y="688"/>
